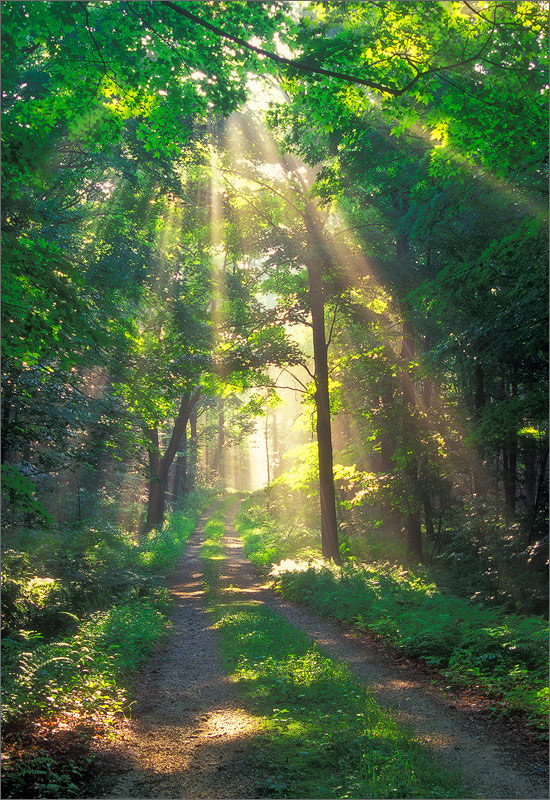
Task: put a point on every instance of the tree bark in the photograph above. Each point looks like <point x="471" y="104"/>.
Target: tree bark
<point x="266" y="437"/>
<point x="329" y="527"/>
<point x="510" y="462"/>
<point x="159" y="466"/>
<point x="193" y="451"/>
<point x="219" y="454"/>
<point x="480" y="397"/>
<point x="412" y="517"/>
<point x="181" y="469"/>
<point x="387" y="437"/>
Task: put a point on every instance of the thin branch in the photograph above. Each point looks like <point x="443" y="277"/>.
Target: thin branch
<point x="254" y="206"/>
<point x="332" y="325"/>
<point x="265" y="185"/>
<point x="166" y="41"/>
<point x="292" y="375"/>
<point x="278" y="386"/>
<point x="84" y="5"/>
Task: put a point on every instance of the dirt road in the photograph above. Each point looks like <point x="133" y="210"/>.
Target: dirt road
<point x="189" y="737"/>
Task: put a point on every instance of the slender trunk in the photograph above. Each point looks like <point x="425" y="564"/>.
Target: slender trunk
<point x="193" y="449"/>
<point x="267" y="448"/>
<point x="181" y="469"/>
<point x="275" y="445"/>
<point x="480" y="398"/>
<point x="529" y="447"/>
<point x="542" y="488"/>
<point x="412" y="516"/>
<point x="244" y="469"/>
<point x="8" y="424"/>
<point x="428" y="518"/>
<point x="427" y="383"/>
<point x="387" y="437"/>
<point x="509" y="460"/>
<point x="155" y="503"/>
<point x="207" y="448"/>
<point x="329" y="527"/>
<point x="220" y="452"/>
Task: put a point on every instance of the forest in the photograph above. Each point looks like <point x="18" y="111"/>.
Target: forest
<point x="275" y="336"/>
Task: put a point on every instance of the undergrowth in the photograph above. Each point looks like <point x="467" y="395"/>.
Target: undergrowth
<point x="322" y="734"/>
<point x="86" y="670"/>
<point x="505" y="654"/>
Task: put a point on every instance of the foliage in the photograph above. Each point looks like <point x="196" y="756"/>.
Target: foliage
<point x="504" y="653"/>
<point x="89" y="669"/>
<point x="86" y="672"/>
<point x="42" y="775"/>
<point x="51" y="579"/>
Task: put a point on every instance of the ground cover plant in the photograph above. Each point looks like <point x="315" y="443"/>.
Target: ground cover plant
<point x="86" y="673"/>
<point x="505" y="654"/>
<point x="322" y="734"/>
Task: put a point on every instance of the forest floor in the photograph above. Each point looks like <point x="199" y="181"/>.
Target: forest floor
<point x="189" y="736"/>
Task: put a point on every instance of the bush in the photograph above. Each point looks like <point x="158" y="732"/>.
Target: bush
<point x="109" y="590"/>
<point x="504" y="653"/>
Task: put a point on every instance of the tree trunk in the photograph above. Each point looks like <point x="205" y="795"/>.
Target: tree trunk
<point x="510" y="463"/>
<point x="275" y="446"/>
<point x="329" y="527"/>
<point x="529" y="447"/>
<point x="192" y="452"/>
<point x="480" y="397"/>
<point x="219" y="454"/>
<point x="245" y="481"/>
<point x="266" y="437"/>
<point x="428" y="518"/>
<point x="180" y="475"/>
<point x="159" y="467"/>
<point x="155" y="507"/>
<point x="412" y="517"/>
<point x="387" y="437"/>
<point x="155" y="503"/>
<point x="414" y="536"/>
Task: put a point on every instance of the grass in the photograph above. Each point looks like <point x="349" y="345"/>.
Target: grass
<point x="322" y="734"/>
<point x="505" y="654"/>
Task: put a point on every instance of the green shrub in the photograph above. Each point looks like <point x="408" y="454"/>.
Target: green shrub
<point x="505" y="653"/>
<point x="109" y="590"/>
<point x="83" y="672"/>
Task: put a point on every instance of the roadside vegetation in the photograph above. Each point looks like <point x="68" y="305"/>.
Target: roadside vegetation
<point x="322" y="734"/>
<point x="503" y="653"/>
<point x="79" y="620"/>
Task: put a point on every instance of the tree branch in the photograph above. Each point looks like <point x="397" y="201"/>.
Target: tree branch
<point x="280" y="59"/>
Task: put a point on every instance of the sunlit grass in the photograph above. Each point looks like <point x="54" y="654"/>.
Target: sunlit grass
<point x="323" y="735"/>
<point x="505" y="654"/>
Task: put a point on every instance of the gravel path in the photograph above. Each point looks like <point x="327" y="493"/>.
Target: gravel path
<point x="190" y="738"/>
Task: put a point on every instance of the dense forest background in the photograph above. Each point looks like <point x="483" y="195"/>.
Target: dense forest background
<point x="166" y="249"/>
<point x="301" y="245"/>
<point x="297" y="248"/>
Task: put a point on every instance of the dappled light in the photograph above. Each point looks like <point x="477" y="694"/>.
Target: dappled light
<point x="283" y="267"/>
